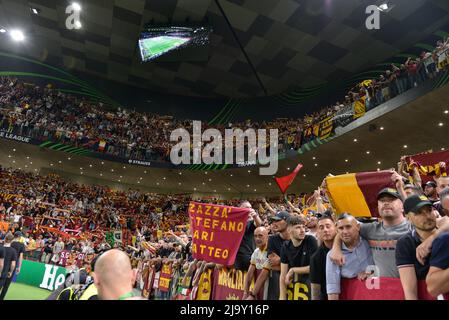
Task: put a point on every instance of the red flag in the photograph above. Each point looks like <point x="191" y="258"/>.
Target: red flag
<point x="285" y="182"/>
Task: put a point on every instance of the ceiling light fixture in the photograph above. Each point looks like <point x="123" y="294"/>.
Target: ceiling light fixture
<point x="17" y="35"/>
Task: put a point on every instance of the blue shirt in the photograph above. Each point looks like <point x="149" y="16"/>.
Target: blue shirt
<point x="440" y="252"/>
<point x="356" y="261"/>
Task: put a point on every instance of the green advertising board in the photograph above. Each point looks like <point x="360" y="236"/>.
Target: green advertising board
<point x="41" y="275"/>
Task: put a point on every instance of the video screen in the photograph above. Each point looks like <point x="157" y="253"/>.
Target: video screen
<point x="171" y="43"/>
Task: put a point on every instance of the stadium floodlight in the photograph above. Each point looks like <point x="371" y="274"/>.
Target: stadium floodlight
<point x="76" y="6"/>
<point x="17" y="35"/>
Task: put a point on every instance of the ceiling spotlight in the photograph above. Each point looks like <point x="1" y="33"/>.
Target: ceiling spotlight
<point x="138" y="181"/>
<point x="249" y="171"/>
<point x="76" y="6"/>
<point x="60" y="161"/>
<point x="210" y="180"/>
<point x="51" y="164"/>
<point x="247" y="185"/>
<point x="442" y="149"/>
<point x="205" y="172"/>
<point x="14" y="150"/>
<point x="17" y="35"/>
<point x="316" y="164"/>
<point x="405" y="146"/>
<point x="121" y="177"/>
<point x="180" y="173"/>
<point x="101" y="174"/>
<point x="90" y="165"/>
<point x="378" y="169"/>
<point x="269" y="184"/>
<point x="69" y="158"/>
<point x="124" y="167"/>
<point x="120" y="181"/>
<point x="215" y="190"/>
<point x="288" y="169"/>
<point x="179" y="183"/>
<point x="446" y="111"/>
<point x="355" y="140"/>
<point x="304" y="175"/>
<point x="102" y="162"/>
<point x="2" y="30"/>
<point x="164" y="178"/>
<point x="35" y="10"/>
<point x="82" y="172"/>
<point x="112" y="170"/>
<point x="14" y="161"/>
<point x="314" y="158"/>
<point x="441" y="124"/>
<point x="140" y="178"/>
<point x="346" y="160"/>
<point x="232" y="175"/>
<point x="204" y="183"/>
<point x="194" y="189"/>
<point x="229" y="189"/>
<point x="381" y="128"/>
<point x="368" y="152"/>
<point x="255" y="190"/>
<point x="145" y="172"/>
<point x="378" y="162"/>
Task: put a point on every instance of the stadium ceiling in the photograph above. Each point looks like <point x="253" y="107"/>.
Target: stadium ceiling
<point x="380" y="144"/>
<point x="258" y="47"/>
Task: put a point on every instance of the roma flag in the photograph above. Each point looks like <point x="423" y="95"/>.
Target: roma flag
<point x="285" y="182"/>
<point x="359" y="107"/>
<point x="428" y="164"/>
<point x="101" y="145"/>
<point x="356" y="193"/>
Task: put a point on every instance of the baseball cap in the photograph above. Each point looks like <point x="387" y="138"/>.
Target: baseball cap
<point x="415" y="202"/>
<point x="390" y="191"/>
<point x="431" y="184"/>
<point x="281" y="215"/>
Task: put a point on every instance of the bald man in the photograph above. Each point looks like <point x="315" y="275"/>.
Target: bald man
<point x="114" y="277"/>
<point x="259" y="261"/>
<point x="356" y="251"/>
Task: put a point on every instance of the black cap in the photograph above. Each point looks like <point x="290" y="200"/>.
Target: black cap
<point x="390" y="191"/>
<point x="415" y="202"/>
<point x="281" y="215"/>
<point x="431" y="184"/>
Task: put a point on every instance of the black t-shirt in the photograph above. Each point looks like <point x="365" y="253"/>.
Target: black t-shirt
<point x="318" y="269"/>
<point x="275" y="243"/>
<point x="247" y="247"/>
<point x="406" y="254"/>
<point x="20" y="248"/>
<point x="299" y="256"/>
<point x="8" y="254"/>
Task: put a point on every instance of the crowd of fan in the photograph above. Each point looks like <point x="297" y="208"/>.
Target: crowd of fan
<point x="47" y="114"/>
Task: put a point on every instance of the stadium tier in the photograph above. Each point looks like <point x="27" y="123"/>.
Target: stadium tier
<point x="224" y="150"/>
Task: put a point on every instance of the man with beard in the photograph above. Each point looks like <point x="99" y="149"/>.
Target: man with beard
<point x="247" y="245"/>
<point x="430" y="191"/>
<point x="442" y="183"/>
<point x="294" y="282"/>
<point x="326" y="234"/>
<point x="275" y="242"/>
<point x="419" y="212"/>
<point x="259" y="261"/>
<point x="382" y="236"/>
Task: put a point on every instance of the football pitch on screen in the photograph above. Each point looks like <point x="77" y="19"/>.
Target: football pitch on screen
<point x="18" y="291"/>
<point x="157" y="46"/>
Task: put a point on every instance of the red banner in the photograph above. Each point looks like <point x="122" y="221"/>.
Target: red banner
<point x="285" y="182"/>
<point x="216" y="231"/>
<point x="229" y="284"/>
<point x="165" y="278"/>
<point x="379" y="289"/>
<point x="428" y="164"/>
